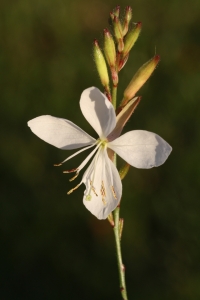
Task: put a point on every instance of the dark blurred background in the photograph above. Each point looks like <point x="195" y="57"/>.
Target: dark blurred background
<point x="51" y="246"/>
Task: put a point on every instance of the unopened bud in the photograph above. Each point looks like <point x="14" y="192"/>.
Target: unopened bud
<point x="140" y="78"/>
<point x="116" y="11"/>
<point x="127" y="18"/>
<point x="131" y="38"/>
<point x="118" y="33"/>
<point x="109" y="48"/>
<point x="101" y="65"/>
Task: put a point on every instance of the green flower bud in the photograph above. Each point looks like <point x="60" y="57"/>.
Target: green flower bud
<point x="127" y="19"/>
<point x="101" y="65"/>
<point x="109" y="48"/>
<point x="118" y="33"/>
<point x="131" y="38"/>
<point x="116" y="11"/>
<point x="140" y="78"/>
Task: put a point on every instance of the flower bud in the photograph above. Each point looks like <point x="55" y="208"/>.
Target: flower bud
<point x="140" y="78"/>
<point x="127" y="18"/>
<point x="109" y="48"/>
<point x="116" y="11"/>
<point x="101" y="64"/>
<point x="131" y="38"/>
<point x="118" y="33"/>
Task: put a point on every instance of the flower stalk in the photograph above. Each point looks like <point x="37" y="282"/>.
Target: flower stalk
<point x="121" y="267"/>
<point x="116" y="55"/>
<point x="138" y="148"/>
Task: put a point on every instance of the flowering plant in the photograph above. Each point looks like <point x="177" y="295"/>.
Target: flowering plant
<point x="138" y="148"/>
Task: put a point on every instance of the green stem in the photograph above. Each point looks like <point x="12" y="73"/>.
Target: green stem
<point x="117" y="222"/>
<point x="121" y="266"/>
<point x="114" y="96"/>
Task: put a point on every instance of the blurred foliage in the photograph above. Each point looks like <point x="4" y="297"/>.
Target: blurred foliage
<point x="51" y="246"/>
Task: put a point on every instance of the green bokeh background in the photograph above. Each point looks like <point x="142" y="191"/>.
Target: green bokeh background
<point x="51" y="246"/>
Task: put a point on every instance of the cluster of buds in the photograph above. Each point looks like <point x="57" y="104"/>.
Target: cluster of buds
<point x="115" y="54"/>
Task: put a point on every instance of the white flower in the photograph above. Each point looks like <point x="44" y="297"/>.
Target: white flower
<point x="140" y="149"/>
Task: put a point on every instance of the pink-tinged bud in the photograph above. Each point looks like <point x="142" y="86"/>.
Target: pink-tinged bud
<point x="131" y="38"/>
<point x="112" y="15"/>
<point x="140" y="78"/>
<point x="109" y="48"/>
<point x="101" y="65"/>
<point x="116" y="11"/>
<point x="127" y="19"/>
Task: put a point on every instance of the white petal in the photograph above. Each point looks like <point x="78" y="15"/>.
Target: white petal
<point x="98" y="111"/>
<point x="103" y="186"/>
<point x="141" y="149"/>
<point x="60" y="133"/>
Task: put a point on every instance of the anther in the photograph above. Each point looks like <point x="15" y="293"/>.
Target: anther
<point x="104" y="201"/>
<point x="57" y="165"/>
<point x="113" y="192"/>
<point x="70" y="171"/>
<point x="103" y="190"/>
<point x="71" y="191"/>
<point x="93" y="189"/>
<point x="74" y="177"/>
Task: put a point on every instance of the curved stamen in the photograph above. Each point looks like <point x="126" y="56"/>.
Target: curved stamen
<point x="82" y="165"/>
<point x="76" y="153"/>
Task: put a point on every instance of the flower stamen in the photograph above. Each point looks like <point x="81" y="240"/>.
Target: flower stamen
<point x="70" y="171"/>
<point x="93" y="189"/>
<point x="104" y="201"/>
<point x="113" y="192"/>
<point x="74" y="177"/>
<point x="103" y="190"/>
<point x="71" y="191"/>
